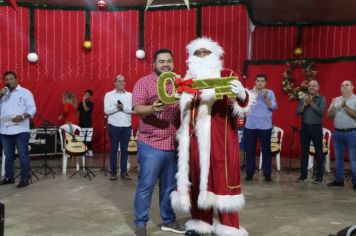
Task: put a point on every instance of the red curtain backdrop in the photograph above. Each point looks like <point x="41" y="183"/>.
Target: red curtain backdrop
<point x="329" y="76"/>
<point x="317" y="42"/>
<point x="64" y="65"/>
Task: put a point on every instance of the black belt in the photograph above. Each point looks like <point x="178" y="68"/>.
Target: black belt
<point x="345" y="130"/>
<point x="311" y="125"/>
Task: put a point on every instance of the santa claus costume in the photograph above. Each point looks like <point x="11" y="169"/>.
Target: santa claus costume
<point x="208" y="176"/>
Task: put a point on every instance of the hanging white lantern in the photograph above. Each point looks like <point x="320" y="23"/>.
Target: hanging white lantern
<point x="140" y="54"/>
<point x="32" y="57"/>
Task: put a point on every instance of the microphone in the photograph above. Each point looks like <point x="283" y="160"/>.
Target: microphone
<point x="5" y="90"/>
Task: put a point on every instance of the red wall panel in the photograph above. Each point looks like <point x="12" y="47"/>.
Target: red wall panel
<point x="318" y="42"/>
<point x="64" y="65"/>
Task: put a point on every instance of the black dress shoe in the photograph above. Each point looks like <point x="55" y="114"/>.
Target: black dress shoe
<point x="22" y="184"/>
<point x="192" y="233"/>
<point x="113" y="177"/>
<point x="317" y="181"/>
<point x="335" y="184"/>
<point x="301" y="179"/>
<point x="125" y="176"/>
<point x="268" y="178"/>
<point x="7" y="181"/>
<point x="248" y="178"/>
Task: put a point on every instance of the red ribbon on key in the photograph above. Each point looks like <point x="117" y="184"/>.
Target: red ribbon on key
<point x="183" y="86"/>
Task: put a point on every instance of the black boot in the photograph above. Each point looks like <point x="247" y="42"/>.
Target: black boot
<point x="192" y="233"/>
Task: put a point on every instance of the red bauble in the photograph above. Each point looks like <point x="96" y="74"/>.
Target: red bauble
<point x="102" y="5"/>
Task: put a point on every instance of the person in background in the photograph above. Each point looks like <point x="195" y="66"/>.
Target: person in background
<point x="69" y="109"/>
<point x="343" y="111"/>
<point x="157" y="155"/>
<point x="311" y="107"/>
<point x="259" y="125"/>
<point x="85" y="110"/>
<point x="118" y="108"/>
<point x="16" y="107"/>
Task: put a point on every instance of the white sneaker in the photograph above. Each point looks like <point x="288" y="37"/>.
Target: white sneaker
<point x="90" y="153"/>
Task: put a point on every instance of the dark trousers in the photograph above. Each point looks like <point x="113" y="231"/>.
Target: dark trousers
<point x="19" y="141"/>
<point x="312" y="133"/>
<point x="264" y="135"/>
<point x="119" y="135"/>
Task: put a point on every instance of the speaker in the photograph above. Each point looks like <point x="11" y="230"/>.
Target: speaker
<point x="348" y="231"/>
<point x="43" y="141"/>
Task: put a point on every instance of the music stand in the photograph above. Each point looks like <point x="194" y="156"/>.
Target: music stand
<point x="88" y="134"/>
<point x="294" y="129"/>
<point x="47" y="168"/>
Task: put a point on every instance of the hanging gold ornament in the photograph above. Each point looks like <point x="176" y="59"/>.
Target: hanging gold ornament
<point x="87" y="45"/>
<point x="298" y="51"/>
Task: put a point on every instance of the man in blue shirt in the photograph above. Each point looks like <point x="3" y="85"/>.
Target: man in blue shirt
<point x="259" y="125"/>
<point x="16" y="107"/>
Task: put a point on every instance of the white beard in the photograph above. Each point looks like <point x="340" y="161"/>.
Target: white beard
<point x="204" y="67"/>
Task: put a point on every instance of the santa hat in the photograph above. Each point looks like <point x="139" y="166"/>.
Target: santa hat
<point x="206" y="43"/>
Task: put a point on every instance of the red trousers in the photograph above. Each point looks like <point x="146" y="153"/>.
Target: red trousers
<point x="226" y="218"/>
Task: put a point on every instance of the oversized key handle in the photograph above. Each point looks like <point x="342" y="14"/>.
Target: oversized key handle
<point x="221" y="86"/>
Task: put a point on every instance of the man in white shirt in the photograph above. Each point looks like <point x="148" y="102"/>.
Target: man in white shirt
<point x="118" y="108"/>
<point x="16" y="107"/>
<point x="343" y="111"/>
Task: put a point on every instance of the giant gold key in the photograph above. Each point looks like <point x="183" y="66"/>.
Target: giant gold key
<point x="220" y="85"/>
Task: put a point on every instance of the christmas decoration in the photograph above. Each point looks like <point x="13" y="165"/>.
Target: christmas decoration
<point x="87" y="45"/>
<point x="101" y="5"/>
<point x="140" y="54"/>
<point x="298" y="51"/>
<point x="32" y="57"/>
<point x="289" y="83"/>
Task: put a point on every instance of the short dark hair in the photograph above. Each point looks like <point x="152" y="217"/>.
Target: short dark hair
<point x="159" y="51"/>
<point x="262" y="76"/>
<point x="89" y="91"/>
<point x="10" y="73"/>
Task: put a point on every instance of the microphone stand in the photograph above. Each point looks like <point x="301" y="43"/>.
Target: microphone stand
<point x="47" y="168"/>
<point x="103" y="167"/>
<point x="294" y="129"/>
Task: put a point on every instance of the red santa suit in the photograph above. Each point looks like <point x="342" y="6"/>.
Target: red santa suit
<point x="208" y="174"/>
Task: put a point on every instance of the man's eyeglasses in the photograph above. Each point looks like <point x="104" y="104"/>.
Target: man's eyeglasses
<point x="344" y="85"/>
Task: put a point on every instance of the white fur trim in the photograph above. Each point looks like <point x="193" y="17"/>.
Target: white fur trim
<point x="180" y="199"/>
<point x="243" y="111"/>
<point x="224" y="203"/>
<point x="199" y="226"/>
<point x="206" y="43"/>
<point x="224" y="230"/>
<point x="203" y="131"/>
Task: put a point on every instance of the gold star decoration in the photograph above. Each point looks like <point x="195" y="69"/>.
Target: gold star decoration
<point x="149" y="3"/>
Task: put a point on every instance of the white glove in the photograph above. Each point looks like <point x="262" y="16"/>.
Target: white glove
<point x="238" y="89"/>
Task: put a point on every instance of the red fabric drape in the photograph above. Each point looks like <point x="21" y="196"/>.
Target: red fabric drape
<point x="329" y="76"/>
<point x="64" y="65"/>
<point x="317" y="42"/>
